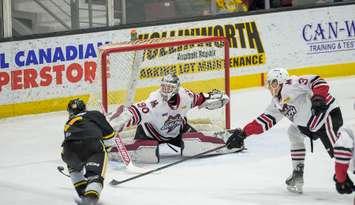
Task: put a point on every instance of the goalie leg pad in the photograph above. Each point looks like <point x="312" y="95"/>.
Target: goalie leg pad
<point x="141" y="151"/>
<point x="197" y="142"/>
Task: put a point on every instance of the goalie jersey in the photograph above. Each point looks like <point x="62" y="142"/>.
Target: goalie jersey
<point x="294" y="102"/>
<point x="160" y="119"/>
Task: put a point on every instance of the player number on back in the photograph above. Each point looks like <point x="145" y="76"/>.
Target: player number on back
<point x="303" y="81"/>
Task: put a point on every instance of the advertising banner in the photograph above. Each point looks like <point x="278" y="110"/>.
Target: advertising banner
<point x="63" y="66"/>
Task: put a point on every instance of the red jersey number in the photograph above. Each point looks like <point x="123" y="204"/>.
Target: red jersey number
<point x="143" y="107"/>
<point x="303" y="81"/>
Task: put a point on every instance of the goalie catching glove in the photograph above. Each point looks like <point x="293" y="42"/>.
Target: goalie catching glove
<point x="214" y="99"/>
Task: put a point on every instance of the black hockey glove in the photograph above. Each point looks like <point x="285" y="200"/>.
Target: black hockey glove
<point x="346" y="187"/>
<point x="318" y="105"/>
<point x="236" y="140"/>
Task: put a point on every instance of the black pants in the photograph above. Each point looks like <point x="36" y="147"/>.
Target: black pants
<point x="327" y="133"/>
<point x="89" y="153"/>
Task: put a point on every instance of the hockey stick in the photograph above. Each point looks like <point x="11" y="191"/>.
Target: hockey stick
<point x="61" y="170"/>
<point x="121" y="148"/>
<point x="115" y="182"/>
<point x="125" y="156"/>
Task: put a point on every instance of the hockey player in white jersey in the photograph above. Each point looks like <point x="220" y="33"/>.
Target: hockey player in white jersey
<point x="313" y="112"/>
<point x="344" y="153"/>
<point x="161" y="118"/>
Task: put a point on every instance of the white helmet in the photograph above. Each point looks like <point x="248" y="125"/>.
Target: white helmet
<point x="278" y="74"/>
<point x="276" y="77"/>
<point x="169" y="86"/>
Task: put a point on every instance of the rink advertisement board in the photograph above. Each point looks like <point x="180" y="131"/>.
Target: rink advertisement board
<point x="39" y="75"/>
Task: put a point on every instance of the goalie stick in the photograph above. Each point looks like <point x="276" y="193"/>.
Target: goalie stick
<point x="115" y="182"/>
<point x="126" y="158"/>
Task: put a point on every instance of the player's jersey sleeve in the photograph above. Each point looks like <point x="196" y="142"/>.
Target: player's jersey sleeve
<point x="195" y="99"/>
<point x="343" y="152"/>
<point x="263" y="122"/>
<point x="136" y="118"/>
<point x="318" y="85"/>
<point x="198" y="99"/>
<point x="100" y="120"/>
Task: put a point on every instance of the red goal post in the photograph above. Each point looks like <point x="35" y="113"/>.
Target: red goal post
<point x="129" y="71"/>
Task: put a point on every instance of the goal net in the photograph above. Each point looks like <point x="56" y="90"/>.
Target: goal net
<point x="130" y="71"/>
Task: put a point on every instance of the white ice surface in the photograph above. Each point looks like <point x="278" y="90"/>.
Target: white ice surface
<point x="30" y="152"/>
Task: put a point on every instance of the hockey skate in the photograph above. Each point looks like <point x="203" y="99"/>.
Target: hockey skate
<point x="295" y="181"/>
<point x="87" y="201"/>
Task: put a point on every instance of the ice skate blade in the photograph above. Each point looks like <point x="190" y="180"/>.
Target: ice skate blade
<point x="295" y="189"/>
<point x="80" y="202"/>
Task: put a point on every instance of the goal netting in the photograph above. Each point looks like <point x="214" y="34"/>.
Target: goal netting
<point x="129" y="71"/>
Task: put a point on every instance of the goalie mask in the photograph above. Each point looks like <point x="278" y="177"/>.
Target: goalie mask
<point x="76" y="106"/>
<point x="169" y="86"/>
<point x="274" y="80"/>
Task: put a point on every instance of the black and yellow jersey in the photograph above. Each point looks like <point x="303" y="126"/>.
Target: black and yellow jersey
<point x="89" y="124"/>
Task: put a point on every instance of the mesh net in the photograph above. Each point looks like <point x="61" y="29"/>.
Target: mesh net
<point x="130" y="71"/>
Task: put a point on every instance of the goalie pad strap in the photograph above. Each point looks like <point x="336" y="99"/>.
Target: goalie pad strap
<point x="141" y="143"/>
<point x="201" y="137"/>
<point x="138" y="144"/>
<point x="197" y="142"/>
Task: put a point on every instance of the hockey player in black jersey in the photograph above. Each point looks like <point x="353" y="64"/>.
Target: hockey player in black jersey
<point x="87" y="134"/>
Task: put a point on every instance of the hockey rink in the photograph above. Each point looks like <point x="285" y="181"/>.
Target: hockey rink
<point x="30" y="152"/>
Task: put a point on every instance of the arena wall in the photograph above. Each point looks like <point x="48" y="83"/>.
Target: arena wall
<point x="40" y="75"/>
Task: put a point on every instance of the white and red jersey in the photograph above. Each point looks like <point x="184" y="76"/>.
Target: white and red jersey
<point x="294" y="102"/>
<point x="161" y="120"/>
<point x="344" y="152"/>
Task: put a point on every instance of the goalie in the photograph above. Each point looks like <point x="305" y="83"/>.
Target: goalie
<point x="161" y="118"/>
